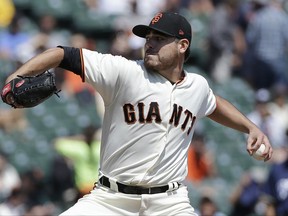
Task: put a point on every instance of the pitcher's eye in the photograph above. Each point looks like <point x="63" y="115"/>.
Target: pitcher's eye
<point x="159" y="38"/>
<point x="155" y="38"/>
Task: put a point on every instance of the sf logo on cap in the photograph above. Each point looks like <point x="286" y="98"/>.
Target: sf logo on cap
<point x="156" y="18"/>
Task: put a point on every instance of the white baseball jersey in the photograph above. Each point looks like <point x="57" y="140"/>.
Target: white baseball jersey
<point x="148" y="122"/>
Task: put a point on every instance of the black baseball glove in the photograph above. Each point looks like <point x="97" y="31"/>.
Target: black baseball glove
<point x="29" y="91"/>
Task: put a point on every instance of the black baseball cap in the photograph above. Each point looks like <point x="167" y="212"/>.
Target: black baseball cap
<point x="168" y="23"/>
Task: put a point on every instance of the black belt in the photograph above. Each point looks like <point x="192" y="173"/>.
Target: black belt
<point x="127" y="189"/>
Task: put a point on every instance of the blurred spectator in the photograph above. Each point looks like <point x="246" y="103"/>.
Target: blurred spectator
<point x="279" y="105"/>
<point x="198" y="13"/>
<point x="28" y="198"/>
<point x="14" y="204"/>
<point x="172" y="6"/>
<point x="7" y="12"/>
<point x="277" y="184"/>
<point x="40" y="210"/>
<point x="9" y="177"/>
<point x="13" y="120"/>
<point x="34" y="187"/>
<point x="92" y="5"/>
<point x="62" y="188"/>
<point x="47" y="35"/>
<point x="112" y="7"/>
<point x="48" y="24"/>
<point x="83" y="151"/>
<point x="246" y="11"/>
<point x="123" y="41"/>
<point x="126" y="8"/>
<point x="265" y="206"/>
<point x="207" y="207"/>
<point x="266" y="120"/>
<point x="138" y="7"/>
<point x="11" y="38"/>
<point x="246" y="194"/>
<point x="35" y="45"/>
<point x="224" y="35"/>
<point x="201" y="164"/>
<point x="122" y="44"/>
<point x="148" y="7"/>
<point x="267" y="40"/>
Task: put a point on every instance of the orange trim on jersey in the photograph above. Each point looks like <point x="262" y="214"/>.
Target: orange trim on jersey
<point x="82" y="66"/>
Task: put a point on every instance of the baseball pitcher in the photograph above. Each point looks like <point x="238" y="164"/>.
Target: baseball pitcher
<point x="151" y="109"/>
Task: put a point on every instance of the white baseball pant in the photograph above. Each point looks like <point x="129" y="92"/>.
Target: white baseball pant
<point x="103" y="201"/>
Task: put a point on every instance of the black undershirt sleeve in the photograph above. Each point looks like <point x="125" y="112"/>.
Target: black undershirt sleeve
<point x="72" y="60"/>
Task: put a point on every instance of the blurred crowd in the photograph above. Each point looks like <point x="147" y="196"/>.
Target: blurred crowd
<point x="245" y="39"/>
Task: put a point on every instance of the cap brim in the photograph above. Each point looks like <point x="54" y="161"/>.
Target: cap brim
<point x="143" y="30"/>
